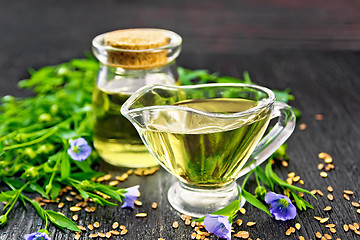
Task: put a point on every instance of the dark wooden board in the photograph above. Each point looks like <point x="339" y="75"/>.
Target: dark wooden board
<point x="42" y="33"/>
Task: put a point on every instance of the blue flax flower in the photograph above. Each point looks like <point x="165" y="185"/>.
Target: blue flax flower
<point x="219" y="225"/>
<point x="281" y="206"/>
<point x="130" y="196"/>
<point x="36" y="236"/>
<point x="79" y="149"/>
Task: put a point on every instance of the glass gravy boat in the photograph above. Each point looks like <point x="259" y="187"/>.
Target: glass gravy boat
<point x="205" y="134"/>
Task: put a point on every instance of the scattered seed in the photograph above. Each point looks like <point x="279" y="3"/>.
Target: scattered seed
<point x="346" y="227"/>
<point x="301" y="238"/>
<point x="75" y="217"/>
<point x="101" y="234"/>
<point x="320" y="166"/>
<point x="318" y="218"/>
<point x="138" y="203"/>
<point x="332" y="230"/>
<point x="323" y="174"/>
<point x="322" y="155"/>
<point x="302" y="126"/>
<point x="113" y="183"/>
<point x="108" y="235"/>
<point x="331" y="225"/>
<point x="92" y="209"/>
<point x="154" y="205"/>
<point x="314" y="191"/>
<point x="94" y="235"/>
<point x="113" y="232"/>
<point x="296" y="179"/>
<point x="175" y="224"/>
<point x="87" y="209"/>
<point x="239" y="222"/>
<point x="107" y="177"/>
<point x="330" y="189"/>
<point x="115" y="225"/>
<point x="318" y="235"/>
<point x="346" y="197"/>
<point x="289" y="181"/>
<point x="328" y="159"/>
<point x="141" y="215"/>
<point x="250" y="224"/>
<point x="77" y="236"/>
<point x="301" y="194"/>
<point x="330" y="197"/>
<point x="358" y="211"/>
<point x="285" y="163"/>
<point x="327" y="236"/>
<point x="355" y="204"/>
<point x="96" y="224"/>
<point x="242" y="210"/>
<point x="90" y="227"/>
<point x="352" y="227"/>
<point x="319" y="117"/>
<point x="348" y="192"/>
<point x="124" y="231"/>
<point x="193" y="224"/>
<point x="292" y="229"/>
<point x="291" y="174"/>
<point x="139" y="172"/>
<point x="288" y="232"/>
<point x="61" y="205"/>
<point x="242" y="234"/>
<point x="324" y="220"/>
<point x="357" y="232"/>
<point x="356" y="225"/>
<point x="75" y="209"/>
<point x="122" y="227"/>
<point x="297" y="226"/>
<point x="320" y="192"/>
<point x="81" y="228"/>
<point x="69" y="199"/>
<point x="301" y="182"/>
<point x="327" y="208"/>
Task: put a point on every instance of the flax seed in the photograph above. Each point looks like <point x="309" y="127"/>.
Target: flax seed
<point x="332" y="230"/>
<point x="116" y="233"/>
<point x="352" y="228"/>
<point x="355" y="204"/>
<point x="124" y="231"/>
<point x="291" y="174"/>
<point x="250" y="224"/>
<point x="75" y="217"/>
<point x="356" y="225"/>
<point x="314" y="191"/>
<point x="301" y="182"/>
<point x="108" y="235"/>
<point x="175" y="224"/>
<point x="87" y="209"/>
<point x="346" y="197"/>
<point x="319" y="117"/>
<point x="297" y="226"/>
<point x="138" y="203"/>
<point x="302" y="126"/>
<point x="357" y="232"/>
<point x="284" y="163"/>
<point x="331" y="225"/>
<point x="318" y="218"/>
<point x="318" y="235"/>
<point x="81" y="228"/>
<point x="122" y="227"/>
<point x="289" y="181"/>
<point x="242" y="234"/>
<point x="346" y="227"/>
<point x="358" y="211"/>
<point x="288" y="232"/>
<point x="94" y="235"/>
<point x="301" y="238"/>
<point x="330" y="189"/>
<point x="141" y="215"/>
<point x="330" y="197"/>
<point x="75" y="209"/>
<point x="61" y="205"/>
<point x="292" y="229"/>
<point x="319" y="192"/>
<point x="193" y="235"/>
<point x="320" y="166"/>
<point x="323" y="174"/>
<point x="154" y="205"/>
<point x="79" y="197"/>
<point x="102" y="235"/>
<point x="96" y="224"/>
<point x="107" y="177"/>
<point x="327" y="236"/>
<point x="242" y="210"/>
<point x="69" y="199"/>
<point x="327" y="208"/>
<point x="187" y="222"/>
<point x="328" y="159"/>
<point x="90" y="227"/>
<point x="113" y="183"/>
<point x="348" y="192"/>
<point x="239" y="222"/>
<point x="139" y="172"/>
<point x="301" y="194"/>
<point x="324" y="220"/>
<point x="77" y="236"/>
<point x="296" y="179"/>
<point x="92" y="209"/>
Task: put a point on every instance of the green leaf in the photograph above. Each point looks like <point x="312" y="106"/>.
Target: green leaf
<point x="83" y="165"/>
<point x="228" y="211"/>
<point x="300" y="202"/>
<point x="255" y="202"/>
<point x="80" y="176"/>
<point x="6" y="196"/>
<point x="65" y="167"/>
<point x="62" y="221"/>
<point x="268" y="174"/>
<point x="39" y="209"/>
<point x="55" y="189"/>
<point x="36" y="187"/>
<point x="100" y="200"/>
<point x="109" y="191"/>
<point x="261" y="175"/>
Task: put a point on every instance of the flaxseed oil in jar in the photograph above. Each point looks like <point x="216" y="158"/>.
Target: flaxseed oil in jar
<point x="129" y="59"/>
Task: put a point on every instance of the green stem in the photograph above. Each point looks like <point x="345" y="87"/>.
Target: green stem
<point x="48" y="134"/>
<point x="53" y="176"/>
<point x="16" y="198"/>
<point x="257" y="179"/>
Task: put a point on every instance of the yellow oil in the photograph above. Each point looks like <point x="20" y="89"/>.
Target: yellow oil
<point x="202" y="150"/>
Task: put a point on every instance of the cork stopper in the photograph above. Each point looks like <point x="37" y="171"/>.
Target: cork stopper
<point x="137" y="48"/>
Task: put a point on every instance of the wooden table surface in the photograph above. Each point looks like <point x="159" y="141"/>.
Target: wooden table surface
<point x="309" y="47"/>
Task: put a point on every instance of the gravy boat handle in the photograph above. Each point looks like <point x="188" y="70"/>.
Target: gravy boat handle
<point x="275" y="138"/>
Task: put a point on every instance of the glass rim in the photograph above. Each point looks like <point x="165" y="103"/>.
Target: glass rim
<point x="175" y="41"/>
<point x="125" y="108"/>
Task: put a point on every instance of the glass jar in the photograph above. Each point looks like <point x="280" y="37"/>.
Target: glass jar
<point x="122" y="71"/>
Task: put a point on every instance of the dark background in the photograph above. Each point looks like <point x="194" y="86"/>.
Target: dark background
<point x="308" y="46"/>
